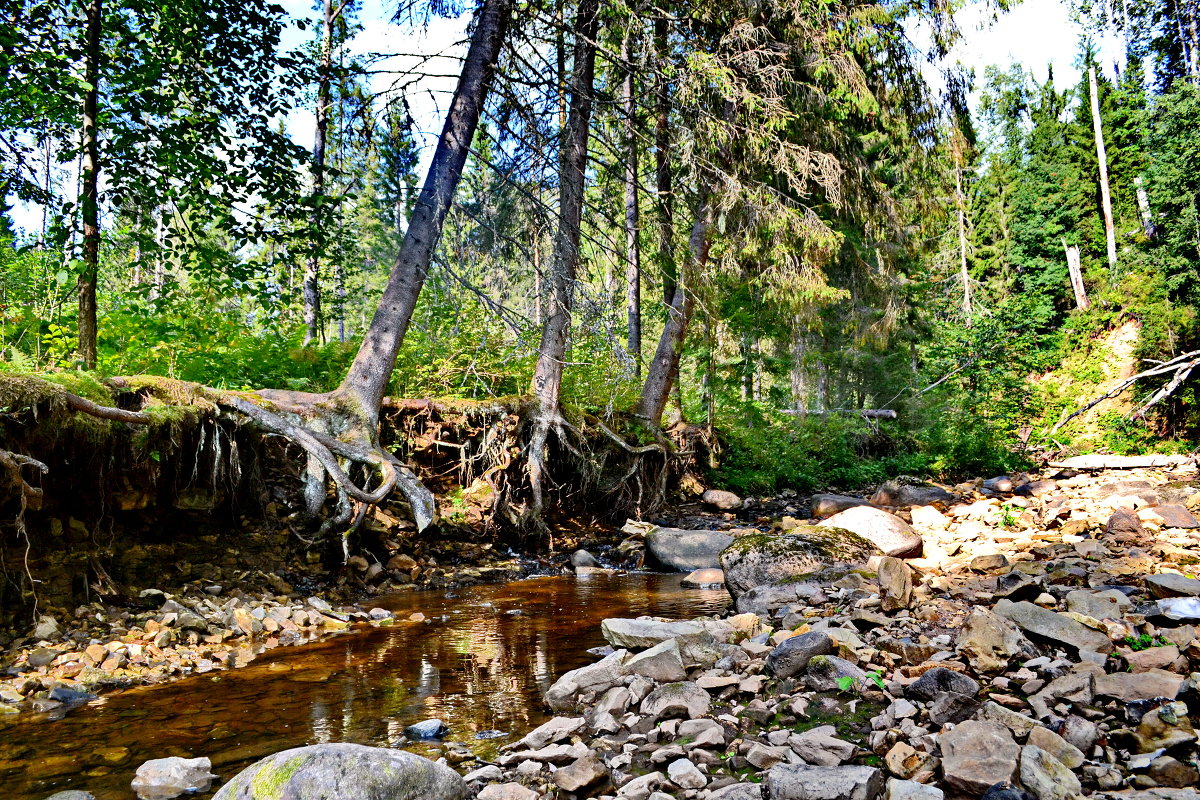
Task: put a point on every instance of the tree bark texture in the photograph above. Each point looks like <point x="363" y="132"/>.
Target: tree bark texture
<point x="663" y="368"/>
<point x="964" y="273"/>
<point x="633" y="261"/>
<point x="547" y="376"/>
<point x="90" y="195"/>
<point x="662" y="168"/>
<point x="312" y="267"/>
<point x="1105" y="197"/>
<point x="367" y="379"/>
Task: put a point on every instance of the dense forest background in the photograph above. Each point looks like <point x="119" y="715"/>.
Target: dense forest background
<point x="834" y="234"/>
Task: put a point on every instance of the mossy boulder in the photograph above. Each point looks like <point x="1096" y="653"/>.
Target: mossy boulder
<point x="345" y="772"/>
<point x="760" y="559"/>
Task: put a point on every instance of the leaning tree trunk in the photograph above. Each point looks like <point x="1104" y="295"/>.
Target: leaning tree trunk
<point x="90" y="196"/>
<point x="342" y="426"/>
<point x="547" y="377"/>
<point x="1105" y="198"/>
<point x="663" y="369"/>
<point x="633" y="263"/>
<point x="366" y="381"/>
<point x="312" y="267"/>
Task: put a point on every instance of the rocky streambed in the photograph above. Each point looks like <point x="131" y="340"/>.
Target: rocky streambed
<point x="1022" y="637"/>
<point x="1027" y="638"/>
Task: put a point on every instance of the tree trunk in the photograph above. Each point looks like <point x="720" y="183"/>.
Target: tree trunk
<point x="1076" y="273"/>
<point x="662" y="370"/>
<point x="367" y="379"/>
<point x="747" y="350"/>
<point x="312" y="267"/>
<point x="1105" y="198"/>
<point x="90" y="195"/>
<point x="709" y="381"/>
<point x="159" y="280"/>
<point x="340" y="310"/>
<point x="965" y="275"/>
<point x="633" y="262"/>
<point x="799" y="380"/>
<point x="662" y="169"/>
<point x="547" y="376"/>
<point x="1143" y="203"/>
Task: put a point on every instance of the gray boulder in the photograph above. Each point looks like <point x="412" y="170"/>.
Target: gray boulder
<point x="685" y="551"/>
<point x="587" y="682"/>
<point x="911" y="492"/>
<point x="72" y="794"/>
<point x="1047" y="778"/>
<point x="990" y="641"/>
<point x="803" y="782"/>
<point x="345" y="772"/>
<point x="941" y="679"/>
<point x="826" y="505"/>
<point x="427" y="729"/>
<point x="760" y="559"/>
<point x="766" y="599"/>
<point x="166" y="778"/>
<point x="1058" y="628"/>
<point x="888" y="532"/>
<point x="1171" y="584"/>
<point x="697" y="645"/>
<point x="895" y="584"/>
<point x="661" y="663"/>
<point x="791" y="657"/>
<point x="719" y="498"/>
<point x="582" y="558"/>
<point x="738" y="791"/>
<point x="637" y="634"/>
<point x="976" y="755"/>
<point x="823" y="674"/>
<point x="682" y="699"/>
<point x="710" y="578"/>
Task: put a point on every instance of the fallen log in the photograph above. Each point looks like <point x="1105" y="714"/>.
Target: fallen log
<point x="1098" y="461"/>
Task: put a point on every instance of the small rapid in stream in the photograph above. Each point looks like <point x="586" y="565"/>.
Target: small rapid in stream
<point x="479" y="662"/>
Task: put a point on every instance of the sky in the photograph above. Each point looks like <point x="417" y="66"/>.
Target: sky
<point x="1037" y="33"/>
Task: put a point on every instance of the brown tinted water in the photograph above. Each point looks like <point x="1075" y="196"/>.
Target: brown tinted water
<point x="480" y="664"/>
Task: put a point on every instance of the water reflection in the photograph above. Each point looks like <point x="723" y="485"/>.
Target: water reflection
<point x="476" y="665"/>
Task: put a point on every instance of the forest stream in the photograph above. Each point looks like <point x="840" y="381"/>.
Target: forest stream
<point x="479" y="662"/>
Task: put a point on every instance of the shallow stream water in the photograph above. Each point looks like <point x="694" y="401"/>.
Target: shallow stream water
<point x="479" y="662"/>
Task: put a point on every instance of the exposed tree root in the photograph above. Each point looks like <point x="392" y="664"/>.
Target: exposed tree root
<point x="329" y="456"/>
<point x="12" y="463"/>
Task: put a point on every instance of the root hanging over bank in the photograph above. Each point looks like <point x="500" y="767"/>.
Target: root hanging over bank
<point x="336" y="442"/>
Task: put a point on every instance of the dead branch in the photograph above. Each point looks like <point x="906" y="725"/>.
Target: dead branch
<point x="1181" y="366"/>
